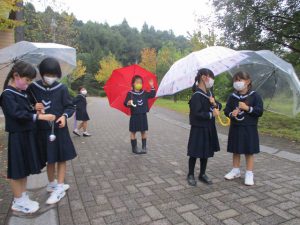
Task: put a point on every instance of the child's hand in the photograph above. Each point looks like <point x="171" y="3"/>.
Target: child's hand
<point x="235" y="112"/>
<point x="151" y="83"/>
<point x="216" y="112"/>
<point x="130" y="102"/>
<point x="61" y="121"/>
<point x="243" y="106"/>
<point x="212" y="100"/>
<point x="39" y="107"/>
<point x="47" y="117"/>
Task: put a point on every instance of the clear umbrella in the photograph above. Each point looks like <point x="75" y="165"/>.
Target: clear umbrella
<point x="35" y="52"/>
<point x="274" y="79"/>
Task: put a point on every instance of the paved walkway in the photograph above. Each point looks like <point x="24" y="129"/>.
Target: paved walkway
<point x="110" y="185"/>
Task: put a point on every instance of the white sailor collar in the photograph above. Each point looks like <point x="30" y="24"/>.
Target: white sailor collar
<point x="240" y="97"/>
<point x="15" y="91"/>
<point x="137" y="93"/>
<point x="44" y="88"/>
<point x="201" y="92"/>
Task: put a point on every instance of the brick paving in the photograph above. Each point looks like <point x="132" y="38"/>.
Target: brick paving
<point x="110" y="185"/>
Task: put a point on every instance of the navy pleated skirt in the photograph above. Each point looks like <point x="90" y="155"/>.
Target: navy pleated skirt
<point x="243" y="140"/>
<point x="138" y="122"/>
<point x="24" y="157"/>
<point x="60" y="150"/>
<point x="82" y="115"/>
<point x="203" y="142"/>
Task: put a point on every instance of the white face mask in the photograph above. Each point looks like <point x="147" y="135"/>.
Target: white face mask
<point x="210" y="83"/>
<point x="84" y="92"/>
<point x="239" y="85"/>
<point x="50" y="80"/>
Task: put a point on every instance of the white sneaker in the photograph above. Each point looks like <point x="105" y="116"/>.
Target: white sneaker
<point x="234" y="173"/>
<point x="249" y="179"/>
<point x="56" y="196"/>
<point x="25" y="206"/>
<point x="26" y="198"/>
<point x="51" y="187"/>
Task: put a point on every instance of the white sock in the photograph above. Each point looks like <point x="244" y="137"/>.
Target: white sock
<point x="53" y="183"/>
<point x="19" y="200"/>
<point x="24" y="194"/>
<point x="76" y="130"/>
<point x="249" y="172"/>
<point x="60" y="186"/>
<point x="236" y="170"/>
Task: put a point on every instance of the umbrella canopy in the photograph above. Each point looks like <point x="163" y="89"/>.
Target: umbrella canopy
<point x="182" y="73"/>
<point x="274" y="79"/>
<point x="119" y="84"/>
<point x="34" y="53"/>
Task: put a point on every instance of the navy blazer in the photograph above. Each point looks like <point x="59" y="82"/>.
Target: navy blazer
<point x="19" y="113"/>
<point x="140" y="99"/>
<point x="201" y="110"/>
<point x="55" y="98"/>
<point x="253" y="100"/>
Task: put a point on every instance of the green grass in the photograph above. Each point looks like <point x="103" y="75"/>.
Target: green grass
<point x="270" y="123"/>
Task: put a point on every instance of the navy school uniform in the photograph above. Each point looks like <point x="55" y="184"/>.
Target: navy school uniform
<point x="20" y="117"/>
<point x="243" y="134"/>
<point x="57" y="101"/>
<point x="138" y="120"/>
<point x="203" y="140"/>
<point x="80" y="103"/>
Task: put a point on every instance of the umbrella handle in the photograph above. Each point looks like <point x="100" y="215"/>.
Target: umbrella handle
<point x="224" y="124"/>
<point x="133" y="104"/>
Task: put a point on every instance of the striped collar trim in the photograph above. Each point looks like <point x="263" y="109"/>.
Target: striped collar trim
<point x="203" y="94"/>
<point x="137" y="93"/>
<point x="243" y="96"/>
<point x="16" y="92"/>
<point x="47" y="89"/>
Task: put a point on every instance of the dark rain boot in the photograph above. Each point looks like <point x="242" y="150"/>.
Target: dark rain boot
<point x="135" y="149"/>
<point x="144" y="145"/>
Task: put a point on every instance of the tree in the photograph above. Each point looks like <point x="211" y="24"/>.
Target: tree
<point x="107" y="65"/>
<point x="148" y="59"/>
<point x="6" y="7"/>
<point x="257" y="24"/>
<point x="166" y="56"/>
<point x="78" y="72"/>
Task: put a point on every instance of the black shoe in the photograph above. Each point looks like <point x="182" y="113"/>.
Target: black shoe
<point x="85" y="134"/>
<point x="144" y="145"/>
<point x="191" y="180"/>
<point x="205" y="179"/>
<point x="76" y="133"/>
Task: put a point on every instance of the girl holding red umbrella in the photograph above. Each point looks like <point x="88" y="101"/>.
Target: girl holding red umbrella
<point x="137" y="101"/>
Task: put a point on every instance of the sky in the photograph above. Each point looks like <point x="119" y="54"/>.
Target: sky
<point x="178" y="15"/>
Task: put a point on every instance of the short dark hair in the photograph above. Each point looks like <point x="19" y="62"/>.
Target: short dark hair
<point x="80" y="87"/>
<point x="50" y="66"/>
<point x="243" y="76"/>
<point x="136" y="77"/>
<point x="24" y="69"/>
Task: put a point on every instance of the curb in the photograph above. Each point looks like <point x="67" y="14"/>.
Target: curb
<point x="47" y="214"/>
<point x="266" y="149"/>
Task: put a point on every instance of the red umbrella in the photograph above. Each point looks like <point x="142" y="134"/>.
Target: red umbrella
<point x="119" y="84"/>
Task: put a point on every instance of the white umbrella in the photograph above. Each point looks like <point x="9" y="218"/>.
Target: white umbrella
<point x="34" y="53"/>
<point x="182" y="73"/>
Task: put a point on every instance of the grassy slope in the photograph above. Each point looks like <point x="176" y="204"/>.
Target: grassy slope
<point x="271" y="123"/>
